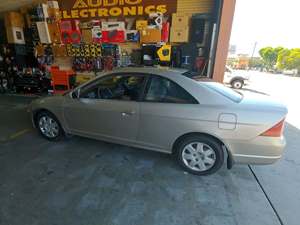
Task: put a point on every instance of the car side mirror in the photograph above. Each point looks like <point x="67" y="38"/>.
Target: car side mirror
<point x="76" y="94"/>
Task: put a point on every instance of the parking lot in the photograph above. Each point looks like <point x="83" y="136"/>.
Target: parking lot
<point x="81" y="181"/>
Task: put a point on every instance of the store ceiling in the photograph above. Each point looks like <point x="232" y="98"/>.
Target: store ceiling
<point x="6" y="5"/>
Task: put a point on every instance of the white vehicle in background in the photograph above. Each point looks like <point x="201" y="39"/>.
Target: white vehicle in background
<point x="290" y="72"/>
<point x="236" y="79"/>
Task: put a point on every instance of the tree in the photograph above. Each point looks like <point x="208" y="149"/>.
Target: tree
<point x="270" y="56"/>
<point x="289" y="59"/>
<point x="282" y="59"/>
<point x="256" y="63"/>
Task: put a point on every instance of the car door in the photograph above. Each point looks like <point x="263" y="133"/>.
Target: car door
<point x="108" y="108"/>
<point x="164" y="113"/>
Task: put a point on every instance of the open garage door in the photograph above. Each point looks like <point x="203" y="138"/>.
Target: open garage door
<point x="74" y="40"/>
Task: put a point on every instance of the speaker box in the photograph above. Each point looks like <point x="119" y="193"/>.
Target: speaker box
<point x="199" y="29"/>
<point x="59" y="51"/>
<point x="44" y="32"/>
<point x="34" y="33"/>
<point x="164" y="53"/>
<point x="136" y="57"/>
<point x="15" y="35"/>
<point x="132" y="35"/>
<point x="95" y="50"/>
<point x="176" y="56"/>
<point x="70" y="31"/>
<point x="149" y="55"/>
<point x="114" y="36"/>
<point x="189" y="54"/>
<point x="3" y="37"/>
<point x="87" y="35"/>
<point x="71" y="37"/>
<point x="54" y="33"/>
<point x="18" y="49"/>
<point x="38" y="13"/>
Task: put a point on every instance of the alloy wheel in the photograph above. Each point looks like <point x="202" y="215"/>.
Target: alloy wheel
<point x="198" y="156"/>
<point x="49" y="127"/>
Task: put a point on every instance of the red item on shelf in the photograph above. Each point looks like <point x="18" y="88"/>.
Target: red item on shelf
<point x="115" y="36"/>
<point x="165" y="32"/>
<point x="62" y="80"/>
<point x="70" y="31"/>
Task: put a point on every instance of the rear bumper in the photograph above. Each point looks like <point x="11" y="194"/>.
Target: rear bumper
<point x="260" y="151"/>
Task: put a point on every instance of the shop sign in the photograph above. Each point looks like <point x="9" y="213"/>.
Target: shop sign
<point x="89" y="9"/>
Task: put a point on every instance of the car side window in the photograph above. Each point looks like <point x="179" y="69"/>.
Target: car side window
<point x="163" y="90"/>
<point x="116" y="87"/>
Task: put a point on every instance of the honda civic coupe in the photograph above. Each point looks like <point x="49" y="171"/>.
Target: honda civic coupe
<point x="202" y="123"/>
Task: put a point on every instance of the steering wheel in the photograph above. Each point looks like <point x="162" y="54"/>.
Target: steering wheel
<point x="105" y="93"/>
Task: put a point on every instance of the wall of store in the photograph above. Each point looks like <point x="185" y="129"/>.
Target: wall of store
<point x="190" y="31"/>
<point x="225" y="27"/>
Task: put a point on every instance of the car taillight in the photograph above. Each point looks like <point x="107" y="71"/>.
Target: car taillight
<point x="275" y="131"/>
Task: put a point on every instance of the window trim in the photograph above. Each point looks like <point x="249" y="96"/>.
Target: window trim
<point x="123" y="74"/>
<point x="150" y="76"/>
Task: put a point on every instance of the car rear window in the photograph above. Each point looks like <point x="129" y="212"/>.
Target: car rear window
<point x="225" y="91"/>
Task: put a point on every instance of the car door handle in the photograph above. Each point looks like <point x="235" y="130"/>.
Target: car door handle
<point x="128" y="113"/>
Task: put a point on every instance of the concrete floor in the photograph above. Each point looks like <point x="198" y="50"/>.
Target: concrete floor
<point x="81" y="181"/>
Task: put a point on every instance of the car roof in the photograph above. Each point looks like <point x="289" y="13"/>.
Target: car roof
<point x="151" y="70"/>
<point x="202" y="93"/>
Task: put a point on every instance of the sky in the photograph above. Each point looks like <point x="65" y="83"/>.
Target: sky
<point x="267" y="22"/>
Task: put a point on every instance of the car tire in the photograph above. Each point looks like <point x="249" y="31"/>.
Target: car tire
<point x="200" y="155"/>
<point x="49" y="126"/>
<point x="237" y="84"/>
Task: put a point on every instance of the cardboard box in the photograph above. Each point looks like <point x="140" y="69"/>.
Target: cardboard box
<point x="141" y="24"/>
<point x="54" y="32"/>
<point x="44" y="32"/>
<point x="28" y="20"/>
<point x="53" y="4"/>
<point x="181" y="20"/>
<point x="45" y="11"/>
<point x="14" y="19"/>
<point x="180" y="35"/>
<point x="59" y="51"/>
<point x="150" y="36"/>
<point x="87" y="35"/>
<point x="40" y="50"/>
<point x="15" y="35"/>
<point x="54" y="13"/>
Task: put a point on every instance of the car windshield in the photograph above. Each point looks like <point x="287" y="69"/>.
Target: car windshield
<point x="225" y="91"/>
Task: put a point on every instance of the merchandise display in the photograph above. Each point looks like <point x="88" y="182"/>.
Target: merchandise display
<point x="39" y="38"/>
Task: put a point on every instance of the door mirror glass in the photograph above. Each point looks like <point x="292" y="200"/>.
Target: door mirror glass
<point x="75" y="94"/>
